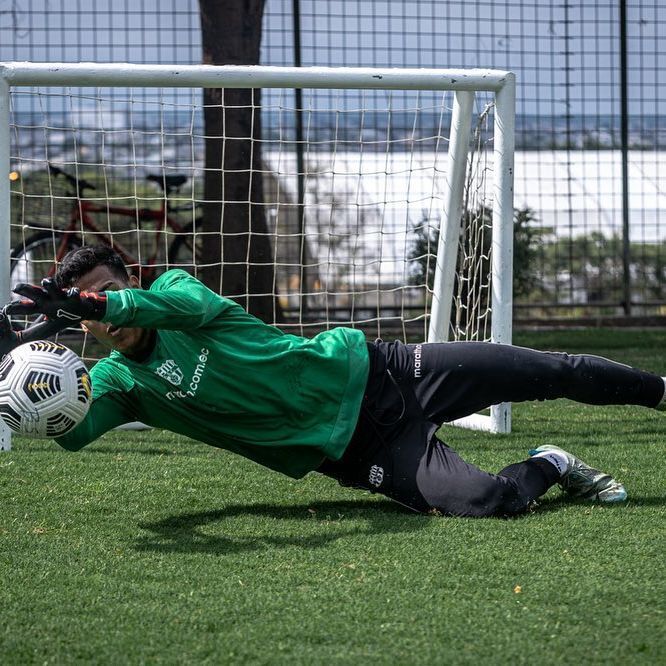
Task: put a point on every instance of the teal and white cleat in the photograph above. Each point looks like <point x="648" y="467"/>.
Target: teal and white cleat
<point x="584" y="482"/>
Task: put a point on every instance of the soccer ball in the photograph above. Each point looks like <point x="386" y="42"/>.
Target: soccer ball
<point x="45" y="389"/>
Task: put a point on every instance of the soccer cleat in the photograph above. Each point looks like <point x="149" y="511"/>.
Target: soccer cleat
<point x="584" y="482"/>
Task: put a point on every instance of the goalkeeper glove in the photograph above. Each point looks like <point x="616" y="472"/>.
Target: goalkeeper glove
<point x="68" y="306"/>
<point x="9" y="338"/>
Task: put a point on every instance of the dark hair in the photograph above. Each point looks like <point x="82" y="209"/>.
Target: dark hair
<point x="77" y="263"/>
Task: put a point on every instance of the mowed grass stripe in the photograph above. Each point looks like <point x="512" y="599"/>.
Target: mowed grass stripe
<point x="147" y="547"/>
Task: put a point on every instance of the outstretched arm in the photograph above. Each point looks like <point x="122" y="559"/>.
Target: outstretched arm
<point x="106" y="412"/>
<point x="178" y="302"/>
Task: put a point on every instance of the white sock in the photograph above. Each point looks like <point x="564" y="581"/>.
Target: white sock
<point x="555" y="458"/>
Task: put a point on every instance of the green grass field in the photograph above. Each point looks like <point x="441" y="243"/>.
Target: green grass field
<point x="149" y="548"/>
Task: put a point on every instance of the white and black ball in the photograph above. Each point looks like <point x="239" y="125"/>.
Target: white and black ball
<point x="45" y="389"/>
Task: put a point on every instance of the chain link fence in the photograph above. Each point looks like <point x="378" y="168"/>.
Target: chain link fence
<point x="590" y="175"/>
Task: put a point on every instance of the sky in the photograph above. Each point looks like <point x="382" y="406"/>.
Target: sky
<point x="565" y="54"/>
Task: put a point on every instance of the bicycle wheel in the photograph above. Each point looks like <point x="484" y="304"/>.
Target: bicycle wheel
<point x="185" y="250"/>
<point x="35" y="258"/>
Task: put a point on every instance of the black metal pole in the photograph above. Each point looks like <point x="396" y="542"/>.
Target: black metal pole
<point x="624" y="139"/>
<point x="300" y="162"/>
<point x="567" y="126"/>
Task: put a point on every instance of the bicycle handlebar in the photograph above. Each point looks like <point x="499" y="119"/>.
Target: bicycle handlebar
<point x="167" y="183"/>
<point x="79" y="183"/>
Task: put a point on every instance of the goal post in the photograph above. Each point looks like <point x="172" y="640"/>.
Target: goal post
<point x="391" y="211"/>
<point x="501" y="269"/>
<point x="5" y="290"/>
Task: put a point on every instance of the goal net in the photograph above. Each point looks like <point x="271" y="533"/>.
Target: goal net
<point x="378" y="199"/>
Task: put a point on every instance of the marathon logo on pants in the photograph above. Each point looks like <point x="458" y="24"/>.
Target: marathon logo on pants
<point x="376" y="476"/>
<point x="418" y="351"/>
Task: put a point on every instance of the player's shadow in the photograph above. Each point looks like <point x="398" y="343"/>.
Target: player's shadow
<point x="328" y="521"/>
<point x="323" y="523"/>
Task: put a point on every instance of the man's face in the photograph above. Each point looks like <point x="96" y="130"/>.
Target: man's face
<point x="128" y="341"/>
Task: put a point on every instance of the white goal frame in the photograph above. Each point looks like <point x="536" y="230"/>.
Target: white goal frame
<point x="462" y="82"/>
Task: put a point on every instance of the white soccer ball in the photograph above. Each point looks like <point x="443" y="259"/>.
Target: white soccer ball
<point x="45" y="389"/>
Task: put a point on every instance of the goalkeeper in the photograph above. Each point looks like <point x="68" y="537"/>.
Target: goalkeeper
<point x="188" y="360"/>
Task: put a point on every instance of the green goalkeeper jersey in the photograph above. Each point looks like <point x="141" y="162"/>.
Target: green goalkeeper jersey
<point x="220" y="375"/>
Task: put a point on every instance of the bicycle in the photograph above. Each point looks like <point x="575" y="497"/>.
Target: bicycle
<point x="47" y="247"/>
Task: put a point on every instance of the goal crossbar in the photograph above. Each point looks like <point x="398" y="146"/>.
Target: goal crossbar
<point x="251" y="76"/>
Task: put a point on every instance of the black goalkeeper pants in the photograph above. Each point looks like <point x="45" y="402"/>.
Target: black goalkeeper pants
<point x="413" y="389"/>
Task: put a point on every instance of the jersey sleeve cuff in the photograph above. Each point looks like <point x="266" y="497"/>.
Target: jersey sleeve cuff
<point x="114" y="307"/>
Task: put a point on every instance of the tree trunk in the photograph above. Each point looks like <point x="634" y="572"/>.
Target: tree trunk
<point x="237" y="262"/>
